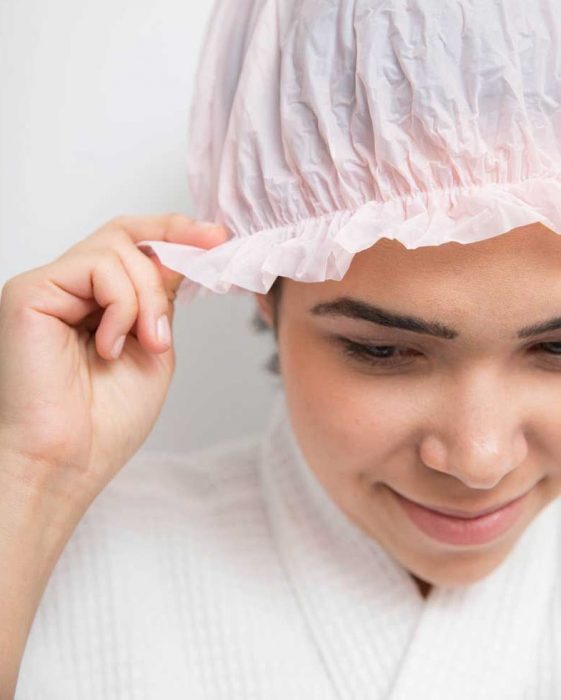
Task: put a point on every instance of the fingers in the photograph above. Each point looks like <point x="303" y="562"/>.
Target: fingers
<point x="172" y="227"/>
<point x="171" y="279"/>
<point x="113" y="290"/>
<point x="154" y="299"/>
<point x="108" y="272"/>
<point x="80" y="283"/>
<point x="75" y="286"/>
<point x="155" y="284"/>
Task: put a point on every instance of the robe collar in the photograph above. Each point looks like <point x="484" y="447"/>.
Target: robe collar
<point x="375" y="634"/>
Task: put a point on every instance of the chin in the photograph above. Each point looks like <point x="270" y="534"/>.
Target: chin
<point x="460" y="568"/>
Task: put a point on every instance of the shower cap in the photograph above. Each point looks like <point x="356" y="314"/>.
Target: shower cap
<point x="318" y="127"/>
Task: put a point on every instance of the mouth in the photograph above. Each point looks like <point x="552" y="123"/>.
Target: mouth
<point x="468" y="515"/>
<point x="463" y="527"/>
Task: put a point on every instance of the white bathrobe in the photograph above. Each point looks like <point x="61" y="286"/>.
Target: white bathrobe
<point x="229" y="574"/>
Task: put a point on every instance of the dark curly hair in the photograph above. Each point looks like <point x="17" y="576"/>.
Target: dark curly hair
<point x="272" y="365"/>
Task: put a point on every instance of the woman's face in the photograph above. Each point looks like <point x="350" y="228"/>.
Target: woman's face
<point x="466" y="418"/>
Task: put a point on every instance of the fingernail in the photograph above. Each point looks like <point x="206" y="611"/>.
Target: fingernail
<point x="116" y="350"/>
<point x="163" y="330"/>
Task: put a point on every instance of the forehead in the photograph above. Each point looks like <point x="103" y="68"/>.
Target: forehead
<point x="530" y="252"/>
<point x="528" y="248"/>
<point x="512" y="280"/>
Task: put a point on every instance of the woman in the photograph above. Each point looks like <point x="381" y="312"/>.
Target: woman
<point x="385" y="179"/>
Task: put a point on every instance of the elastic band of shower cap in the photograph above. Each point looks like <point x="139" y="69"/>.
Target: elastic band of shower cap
<point x="318" y="128"/>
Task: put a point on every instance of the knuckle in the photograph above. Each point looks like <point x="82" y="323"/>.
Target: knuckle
<point x="110" y="257"/>
<point x="104" y="237"/>
<point x="177" y="217"/>
<point x="16" y="287"/>
<point x="26" y="290"/>
<point x="155" y="289"/>
<point x="113" y="237"/>
<point x="129" y="299"/>
<point x="9" y="285"/>
<point x="111" y="264"/>
<point x="153" y="283"/>
<point x="118" y="221"/>
<point x="160" y="291"/>
<point x="129" y="306"/>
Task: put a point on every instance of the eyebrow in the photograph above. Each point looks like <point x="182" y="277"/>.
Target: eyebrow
<point x="351" y="307"/>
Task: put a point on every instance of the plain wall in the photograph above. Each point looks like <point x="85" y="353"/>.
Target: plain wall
<point x="93" y="124"/>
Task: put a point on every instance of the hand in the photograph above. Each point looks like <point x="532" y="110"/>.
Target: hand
<point x="71" y="410"/>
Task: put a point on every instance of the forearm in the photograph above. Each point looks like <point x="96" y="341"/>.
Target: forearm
<point x="34" y="528"/>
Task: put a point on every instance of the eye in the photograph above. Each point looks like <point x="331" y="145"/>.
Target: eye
<point x="551" y="350"/>
<point x="388" y="356"/>
<point x="377" y="355"/>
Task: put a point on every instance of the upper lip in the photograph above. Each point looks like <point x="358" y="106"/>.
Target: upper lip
<point x="464" y="513"/>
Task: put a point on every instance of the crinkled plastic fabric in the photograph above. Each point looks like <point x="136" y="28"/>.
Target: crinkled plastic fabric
<point x="320" y="126"/>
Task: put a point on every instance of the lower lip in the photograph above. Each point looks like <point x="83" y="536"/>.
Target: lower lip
<point x="459" y="531"/>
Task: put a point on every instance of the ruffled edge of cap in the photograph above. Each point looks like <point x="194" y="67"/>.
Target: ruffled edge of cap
<point x="322" y="248"/>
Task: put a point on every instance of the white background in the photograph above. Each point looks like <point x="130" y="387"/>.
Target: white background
<point x="95" y="101"/>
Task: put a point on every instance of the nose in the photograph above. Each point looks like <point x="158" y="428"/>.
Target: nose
<point x="478" y="434"/>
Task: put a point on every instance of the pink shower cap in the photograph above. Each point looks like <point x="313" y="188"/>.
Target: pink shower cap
<point x="320" y="126"/>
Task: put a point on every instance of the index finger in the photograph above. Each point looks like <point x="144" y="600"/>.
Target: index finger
<point x="173" y="228"/>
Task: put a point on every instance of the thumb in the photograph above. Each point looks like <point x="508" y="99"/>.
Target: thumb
<point x="171" y="278"/>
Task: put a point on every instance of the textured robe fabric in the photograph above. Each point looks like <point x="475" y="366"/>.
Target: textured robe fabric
<point x="228" y="573"/>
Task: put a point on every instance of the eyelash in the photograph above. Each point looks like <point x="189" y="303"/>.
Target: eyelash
<point x="366" y="353"/>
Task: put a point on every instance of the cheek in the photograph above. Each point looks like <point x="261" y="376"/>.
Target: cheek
<point x="343" y="420"/>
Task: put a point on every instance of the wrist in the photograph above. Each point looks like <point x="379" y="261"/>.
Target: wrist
<point x="37" y="503"/>
<point x="33" y="534"/>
